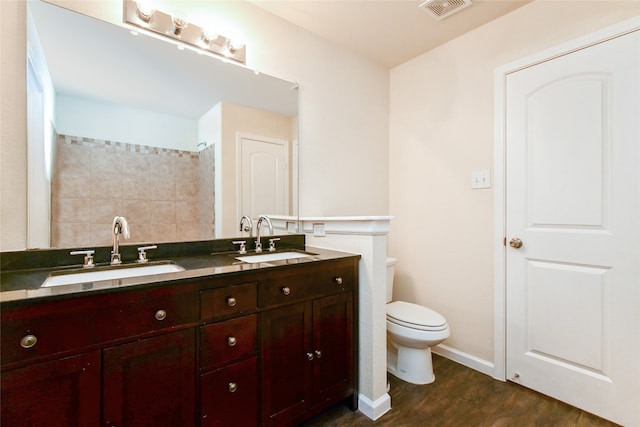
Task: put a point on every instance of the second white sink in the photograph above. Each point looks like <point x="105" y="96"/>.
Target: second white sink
<point x="278" y="256"/>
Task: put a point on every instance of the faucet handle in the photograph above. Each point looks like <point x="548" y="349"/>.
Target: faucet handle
<point x="243" y="246"/>
<point x="88" y="257"/>
<point x="272" y="244"/>
<point x="142" y="254"/>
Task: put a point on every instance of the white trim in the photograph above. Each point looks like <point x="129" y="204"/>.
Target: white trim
<point x="366" y="225"/>
<point x="466" y="359"/>
<point x="374" y="410"/>
<point x="500" y="309"/>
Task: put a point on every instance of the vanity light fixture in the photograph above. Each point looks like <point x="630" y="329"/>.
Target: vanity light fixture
<point x="141" y="15"/>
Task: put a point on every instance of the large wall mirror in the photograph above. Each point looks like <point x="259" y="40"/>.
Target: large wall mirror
<point x="182" y="144"/>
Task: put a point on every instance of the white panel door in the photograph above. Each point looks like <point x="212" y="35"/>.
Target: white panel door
<point x="573" y="190"/>
<point x="264" y="176"/>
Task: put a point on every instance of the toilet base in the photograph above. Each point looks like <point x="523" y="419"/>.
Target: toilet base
<point x="413" y="365"/>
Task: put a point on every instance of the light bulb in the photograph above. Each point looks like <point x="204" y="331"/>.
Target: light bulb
<point x="208" y="36"/>
<point x="233" y="45"/>
<point x="145" y="10"/>
<point x="179" y="21"/>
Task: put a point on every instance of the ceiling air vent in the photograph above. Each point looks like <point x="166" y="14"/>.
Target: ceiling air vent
<point x="440" y="9"/>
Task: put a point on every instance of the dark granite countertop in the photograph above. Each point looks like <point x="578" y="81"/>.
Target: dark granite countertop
<point x="198" y="261"/>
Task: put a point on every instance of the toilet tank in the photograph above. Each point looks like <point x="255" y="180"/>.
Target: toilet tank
<point x="391" y="267"/>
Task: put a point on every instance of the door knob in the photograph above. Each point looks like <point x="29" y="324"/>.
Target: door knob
<point x="515" y="243"/>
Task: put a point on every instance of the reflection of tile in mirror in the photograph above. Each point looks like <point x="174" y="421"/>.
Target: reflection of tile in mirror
<point x="136" y="187"/>
<point x="163" y="212"/>
<point x="136" y="211"/>
<point x="68" y="235"/>
<point x="70" y="210"/>
<point x="105" y="160"/>
<point x="162" y="188"/>
<point x="135" y="163"/>
<point x="104" y="210"/>
<point x="186" y="212"/>
<point x="186" y="189"/>
<point x="187" y="231"/>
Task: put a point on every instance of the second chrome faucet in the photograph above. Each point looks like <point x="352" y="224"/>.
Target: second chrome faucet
<point x="258" y="243"/>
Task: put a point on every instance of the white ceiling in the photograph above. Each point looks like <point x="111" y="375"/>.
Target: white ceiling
<point x="389" y="32"/>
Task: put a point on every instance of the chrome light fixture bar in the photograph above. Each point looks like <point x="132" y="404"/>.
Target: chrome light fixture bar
<point x="178" y="28"/>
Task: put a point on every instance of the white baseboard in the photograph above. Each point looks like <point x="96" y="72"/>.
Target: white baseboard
<point x="465" y="359"/>
<point x="374" y="410"/>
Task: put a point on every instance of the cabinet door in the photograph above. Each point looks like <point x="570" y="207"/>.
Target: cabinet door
<point x="151" y="382"/>
<point x="64" y="392"/>
<point x="286" y="368"/>
<point x="333" y="347"/>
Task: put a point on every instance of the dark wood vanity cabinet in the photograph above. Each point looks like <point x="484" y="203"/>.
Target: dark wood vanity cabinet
<point x="266" y="347"/>
<point x="118" y="359"/>
<point x="307" y="343"/>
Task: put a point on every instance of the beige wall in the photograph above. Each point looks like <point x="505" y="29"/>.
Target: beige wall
<point x="441" y="128"/>
<point x="343" y="117"/>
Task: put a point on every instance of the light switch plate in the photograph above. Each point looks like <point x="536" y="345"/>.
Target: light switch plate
<point x="481" y="179"/>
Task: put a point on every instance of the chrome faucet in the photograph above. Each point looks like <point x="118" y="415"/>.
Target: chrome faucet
<point x="248" y="227"/>
<point x="120" y="226"/>
<point x="262" y="218"/>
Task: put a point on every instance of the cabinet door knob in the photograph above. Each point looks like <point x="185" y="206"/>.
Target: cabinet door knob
<point x="231" y="302"/>
<point x="309" y="356"/>
<point x="232" y="341"/>
<point x="28" y="341"/>
<point x="318" y="354"/>
<point x="233" y="387"/>
<point x="286" y="290"/>
<point x="337" y="280"/>
<point x="161" y="315"/>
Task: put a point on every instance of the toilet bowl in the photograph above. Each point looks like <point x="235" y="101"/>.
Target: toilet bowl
<point x="412" y="330"/>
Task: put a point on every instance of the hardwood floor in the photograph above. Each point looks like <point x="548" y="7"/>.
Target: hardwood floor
<point x="462" y="397"/>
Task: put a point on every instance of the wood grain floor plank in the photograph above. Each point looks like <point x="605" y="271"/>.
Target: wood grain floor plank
<point x="463" y="397"/>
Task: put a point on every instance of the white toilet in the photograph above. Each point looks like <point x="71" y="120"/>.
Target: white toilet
<point x="411" y="332"/>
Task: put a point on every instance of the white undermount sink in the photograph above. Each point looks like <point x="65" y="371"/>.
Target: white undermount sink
<point x="110" y="273"/>
<point x="278" y="256"/>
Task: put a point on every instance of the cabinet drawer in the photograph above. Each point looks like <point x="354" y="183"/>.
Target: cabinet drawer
<point x="51" y="327"/>
<point x="228" y="301"/>
<point x="310" y="282"/>
<point x="226" y="341"/>
<point x="229" y="396"/>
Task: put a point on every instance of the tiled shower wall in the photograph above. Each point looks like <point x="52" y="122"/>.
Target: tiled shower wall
<point x="157" y="190"/>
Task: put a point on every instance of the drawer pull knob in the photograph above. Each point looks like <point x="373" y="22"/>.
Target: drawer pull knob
<point x="232" y="341"/>
<point x="161" y="315"/>
<point x="28" y="341"/>
<point x="318" y="354"/>
<point x="309" y="356"/>
<point x="337" y="280"/>
<point x="231" y="302"/>
<point x="286" y="291"/>
<point x="233" y="387"/>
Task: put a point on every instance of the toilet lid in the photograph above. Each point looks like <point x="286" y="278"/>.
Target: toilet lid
<point x="415" y="316"/>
